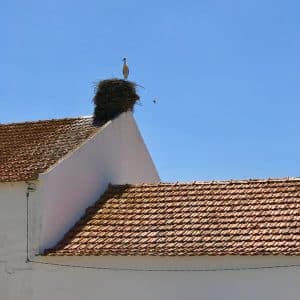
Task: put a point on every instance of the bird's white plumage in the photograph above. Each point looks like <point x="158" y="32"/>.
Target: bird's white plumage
<point x="125" y="69"/>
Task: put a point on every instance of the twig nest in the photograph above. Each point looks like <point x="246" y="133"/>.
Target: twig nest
<point x="113" y="97"/>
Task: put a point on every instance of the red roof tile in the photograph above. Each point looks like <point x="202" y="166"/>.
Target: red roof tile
<point x="251" y="217"/>
<point x="30" y="148"/>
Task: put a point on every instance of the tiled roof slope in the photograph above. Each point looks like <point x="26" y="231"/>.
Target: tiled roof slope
<point x="252" y="217"/>
<point x="30" y="148"/>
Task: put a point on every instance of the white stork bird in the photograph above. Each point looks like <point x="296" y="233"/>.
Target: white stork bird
<point x="125" y="69"/>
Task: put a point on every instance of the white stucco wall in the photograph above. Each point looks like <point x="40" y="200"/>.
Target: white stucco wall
<point x="116" y="155"/>
<point x="54" y="282"/>
<point x="13" y="220"/>
<point x="15" y="273"/>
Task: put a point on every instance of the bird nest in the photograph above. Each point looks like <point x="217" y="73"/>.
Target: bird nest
<point x="113" y="97"/>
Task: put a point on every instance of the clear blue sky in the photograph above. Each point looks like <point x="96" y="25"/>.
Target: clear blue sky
<point x="225" y="75"/>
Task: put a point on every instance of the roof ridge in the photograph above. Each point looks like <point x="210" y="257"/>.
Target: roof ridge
<point x="228" y="181"/>
<point x="46" y="120"/>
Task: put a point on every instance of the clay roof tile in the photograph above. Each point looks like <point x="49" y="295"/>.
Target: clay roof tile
<point x="249" y="217"/>
<point x="30" y="148"/>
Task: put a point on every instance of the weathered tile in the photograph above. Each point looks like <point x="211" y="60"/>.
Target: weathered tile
<point x="30" y="148"/>
<point x="249" y="217"/>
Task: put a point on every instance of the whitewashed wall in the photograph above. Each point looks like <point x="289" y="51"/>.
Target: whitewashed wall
<point x="15" y="273"/>
<point x="116" y="155"/>
<point x="13" y="216"/>
<point x="53" y="282"/>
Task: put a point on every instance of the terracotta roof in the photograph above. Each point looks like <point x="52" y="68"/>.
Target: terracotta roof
<point x="30" y="148"/>
<point x="251" y="217"/>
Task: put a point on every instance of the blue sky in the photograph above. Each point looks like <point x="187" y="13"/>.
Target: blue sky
<point x="225" y="75"/>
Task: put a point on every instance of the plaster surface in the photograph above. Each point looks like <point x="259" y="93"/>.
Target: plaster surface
<point x="185" y="283"/>
<point x="15" y="273"/>
<point x="116" y="155"/>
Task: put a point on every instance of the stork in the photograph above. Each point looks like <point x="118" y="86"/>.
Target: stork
<point x="125" y="69"/>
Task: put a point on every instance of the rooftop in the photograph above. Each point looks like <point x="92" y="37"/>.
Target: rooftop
<point x="247" y="217"/>
<point x="30" y="148"/>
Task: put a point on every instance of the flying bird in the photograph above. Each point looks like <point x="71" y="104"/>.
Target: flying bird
<point x="125" y="69"/>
